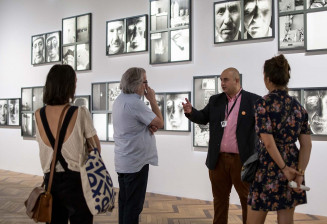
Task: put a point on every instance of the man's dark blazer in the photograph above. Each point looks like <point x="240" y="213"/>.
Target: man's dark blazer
<point x="214" y="113"/>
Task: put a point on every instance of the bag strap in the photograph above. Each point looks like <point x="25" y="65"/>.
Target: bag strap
<point x="55" y="148"/>
<point x="62" y="134"/>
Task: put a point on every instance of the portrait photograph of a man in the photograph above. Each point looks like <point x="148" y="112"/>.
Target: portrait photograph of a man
<point x="136" y="34"/>
<point x="227" y="21"/>
<point x="13" y="112"/>
<point x="258" y="19"/>
<point x="115" y="37"/>
<point x="53" y="46"/>
<point x="38" y="49"/>
<point x="315" y="102"/>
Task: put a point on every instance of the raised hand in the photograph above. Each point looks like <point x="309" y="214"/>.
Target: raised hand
<point x="187" y="106"/>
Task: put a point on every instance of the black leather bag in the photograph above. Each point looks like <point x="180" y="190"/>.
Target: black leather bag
<point x="250" y="168"/>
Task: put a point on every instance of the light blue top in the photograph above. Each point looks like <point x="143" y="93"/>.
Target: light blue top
<point x="135" y="146"/>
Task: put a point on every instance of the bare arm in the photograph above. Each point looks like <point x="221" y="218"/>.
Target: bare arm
<point x="157" y="122"/>
<point x="304" y="156"/>
<point x="95" y="140"/>
<point x="271" y="147"/>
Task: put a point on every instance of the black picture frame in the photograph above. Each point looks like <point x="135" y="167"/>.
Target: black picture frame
<point x="103" y="97"/>
<point x="175" y="119"/>
<point x="291" y="32"/>
<point x="127" y="35"/>
<point x="46" y="48"/>
<point x="77" y="41"/>
<point x="316" y="34"/>
<point x="315" y="103"/>
<point x="235" y="21"/>
<point x="82" y="100"/>
<point x="290" y="5"/>
<point x="170" y="31"/>
<point x="31" y="100"/>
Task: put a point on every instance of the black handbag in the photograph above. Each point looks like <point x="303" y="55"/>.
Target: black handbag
<point x="249" y="168"/>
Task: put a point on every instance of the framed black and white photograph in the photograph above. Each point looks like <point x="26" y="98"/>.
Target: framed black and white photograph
<point x="27" y="125"/>
<point x="53" y="46"/>
<point x="291" y="32"/>
<point x="316" y="4"/>
<point x="110" y="128"/>
<point x="113" y="92"/>
<point x="315" y="103"/>
<point x="180" y="11"/>
<point x="137" y="34"/>
<point x="4" y="111"/>
<point x="170" y="31"/>
<point x="69" y="55"/>
<point x="180" y="45"/>
<point x="69" y="30"/>
<point x="80" y="101"/>
<point x="159" y="14"/>
<point x="227" y="21"/>
<point x="290" y="5"/>
<point x="175" y="119"/>
<point x="38" y="49"/>
<point x="296" y="94"/>
<point x="13" y="112"/>
<point x="37" y="98"/>
<point x="159" y="48"/>
<point x="258" y="19"/>
<point x="127" y="35"/>
<point x="203" y="88"/>
<point x="83" y="28"/>
<point x="76" y="49"/>
<point x="83" y="57"/>
<point x="100" y="124"/>
<point x="99" y="96"/>
<point x="27" y="99"/>
<point x="316" y="31"/>
<point x="115" y="37"/>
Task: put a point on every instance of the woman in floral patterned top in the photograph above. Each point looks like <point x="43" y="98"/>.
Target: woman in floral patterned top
<point x="280" y="122"/>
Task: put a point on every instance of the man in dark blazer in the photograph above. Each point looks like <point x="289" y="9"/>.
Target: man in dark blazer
<point x="232" y="140"/>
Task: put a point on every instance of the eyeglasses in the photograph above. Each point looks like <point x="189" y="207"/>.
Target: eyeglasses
<point x="145" y="82"/>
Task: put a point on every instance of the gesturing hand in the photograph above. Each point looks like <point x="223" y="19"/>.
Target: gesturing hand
<point x="187" y="106"/>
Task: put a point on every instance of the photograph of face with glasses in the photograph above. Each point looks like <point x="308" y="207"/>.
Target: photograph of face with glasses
<point x="175" y="119"/>
<point x="315" y="102"/>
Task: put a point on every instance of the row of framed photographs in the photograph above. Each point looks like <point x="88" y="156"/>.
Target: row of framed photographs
<point x="239" y="20"/>
<point x="314" y="101"/>
<point x="301" y="25"/>
<point x="46" y="48"/>
<point x="170" y="31"/>
<point x="127" y="35"/>
<point x="9" y="112"/>
<point x="75" y="43"/>
<point x="203" y="88"/>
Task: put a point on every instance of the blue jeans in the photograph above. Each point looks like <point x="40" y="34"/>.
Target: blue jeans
<point x="132" y="189"/>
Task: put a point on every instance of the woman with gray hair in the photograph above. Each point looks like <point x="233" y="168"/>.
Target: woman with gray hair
<point x="135" y="145"/>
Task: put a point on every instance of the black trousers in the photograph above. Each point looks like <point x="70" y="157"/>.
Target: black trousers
<point x="68" y="199"/>
<point x="132" y="189"/>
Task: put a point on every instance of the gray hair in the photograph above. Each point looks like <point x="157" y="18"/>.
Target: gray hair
<point x="131" y="80"/>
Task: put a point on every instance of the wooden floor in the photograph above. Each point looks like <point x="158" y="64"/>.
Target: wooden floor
<point x="158" y="209"/>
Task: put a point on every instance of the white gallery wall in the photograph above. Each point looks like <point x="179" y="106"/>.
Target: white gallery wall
<point x="181" y="171"/>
